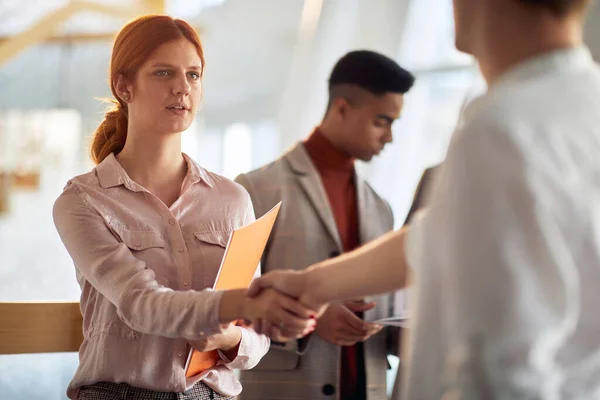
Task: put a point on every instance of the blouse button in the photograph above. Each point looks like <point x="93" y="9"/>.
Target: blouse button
<point x="185" y="283"/>
<point x="137" y="245"/>
<point x="172" y="221"/>
<point x="180" y="249"/>
<point x="180" y="354"/>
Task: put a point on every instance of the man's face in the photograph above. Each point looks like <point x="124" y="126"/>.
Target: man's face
<point x="367" y="127"/>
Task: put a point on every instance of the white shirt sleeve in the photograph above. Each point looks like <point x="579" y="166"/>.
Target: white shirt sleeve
<point x="500" y="268"/>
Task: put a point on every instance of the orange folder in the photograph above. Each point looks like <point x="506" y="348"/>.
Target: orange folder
<point x="242" y="256"/>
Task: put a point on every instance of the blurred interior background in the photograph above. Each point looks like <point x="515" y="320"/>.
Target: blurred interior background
<point x="264" y="89"/>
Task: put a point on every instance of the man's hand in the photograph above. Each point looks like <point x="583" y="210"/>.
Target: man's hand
<point x="227" y="341"/>
<point x="341" y="327"/>
<point x="294" y="284"/>
<point x="278" y="316"/>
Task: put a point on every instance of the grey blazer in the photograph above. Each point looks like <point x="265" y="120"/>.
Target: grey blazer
<point x="305" y="233"/>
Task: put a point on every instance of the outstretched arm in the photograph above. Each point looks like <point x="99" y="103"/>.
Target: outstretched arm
<point x="378" y="267"/>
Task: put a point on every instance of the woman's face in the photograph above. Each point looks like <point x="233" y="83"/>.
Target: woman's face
<point x="167" y="89"/>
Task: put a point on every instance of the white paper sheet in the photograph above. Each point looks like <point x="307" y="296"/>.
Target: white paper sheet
<point x="399" y="321"/>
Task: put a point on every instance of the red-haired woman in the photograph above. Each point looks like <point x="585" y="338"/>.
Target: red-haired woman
<point x="147" y="228"/>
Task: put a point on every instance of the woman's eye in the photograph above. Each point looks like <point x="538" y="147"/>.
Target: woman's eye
<point x="194" y="75"/>
<point x="161" y="73"/>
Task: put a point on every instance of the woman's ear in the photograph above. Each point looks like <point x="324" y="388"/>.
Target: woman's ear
<point x="123" y="88"/>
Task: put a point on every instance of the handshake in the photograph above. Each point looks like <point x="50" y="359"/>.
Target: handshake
<point x="284" y="305"/>
<point x="297" y="299"/>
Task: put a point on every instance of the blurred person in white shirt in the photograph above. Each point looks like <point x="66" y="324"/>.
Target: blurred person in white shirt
<point x="507" y="255"/>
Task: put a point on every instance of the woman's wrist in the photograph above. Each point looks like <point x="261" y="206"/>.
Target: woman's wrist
<point x="234" y="337"/>
<point x="232" y="306"/>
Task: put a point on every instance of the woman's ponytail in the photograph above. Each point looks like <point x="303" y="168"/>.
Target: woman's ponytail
<point x="111" y="134"/>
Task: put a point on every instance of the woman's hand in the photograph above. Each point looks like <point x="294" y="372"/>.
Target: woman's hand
<point x="227" y="341"/>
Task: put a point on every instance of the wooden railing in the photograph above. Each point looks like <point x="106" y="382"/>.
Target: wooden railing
<point x="40" y="327"/>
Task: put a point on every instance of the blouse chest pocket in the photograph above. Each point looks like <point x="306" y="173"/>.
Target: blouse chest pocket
<point x="140" y="240"/>
<point x="213" y="238"/>
<point x="208" y="251"/>
<point x="147" y="246"/>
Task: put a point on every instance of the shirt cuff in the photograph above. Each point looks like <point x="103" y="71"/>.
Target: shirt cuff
<point x="243" y="352"/>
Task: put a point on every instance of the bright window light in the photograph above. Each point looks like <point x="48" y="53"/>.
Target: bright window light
<point x="237" y="150"/>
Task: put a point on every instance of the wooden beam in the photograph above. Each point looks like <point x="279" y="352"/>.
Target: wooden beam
<point x="40" y="327"/>
<point x="77" y="37"/>
<point x="82" y="37"/>
<point x="118" y="12"/>
<point x="156" y="6"/>
<point x="45" y="28"/>
<point x="36" y="33"/>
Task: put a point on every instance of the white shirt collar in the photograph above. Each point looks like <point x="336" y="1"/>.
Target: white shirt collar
<point x="561" y="59"/>
<point x="537" y="66"/>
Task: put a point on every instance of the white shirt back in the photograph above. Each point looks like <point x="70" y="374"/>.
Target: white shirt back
<point x="507" y="257"/>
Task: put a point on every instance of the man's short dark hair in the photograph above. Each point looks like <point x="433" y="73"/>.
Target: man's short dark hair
<point x="558" y="7"/>
<point x="371" y="71"/>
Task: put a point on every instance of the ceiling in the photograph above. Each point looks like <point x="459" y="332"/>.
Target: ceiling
<point x="248" y="47"/>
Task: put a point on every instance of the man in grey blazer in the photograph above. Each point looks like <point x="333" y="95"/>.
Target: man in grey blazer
<point x="328" y="209"/>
